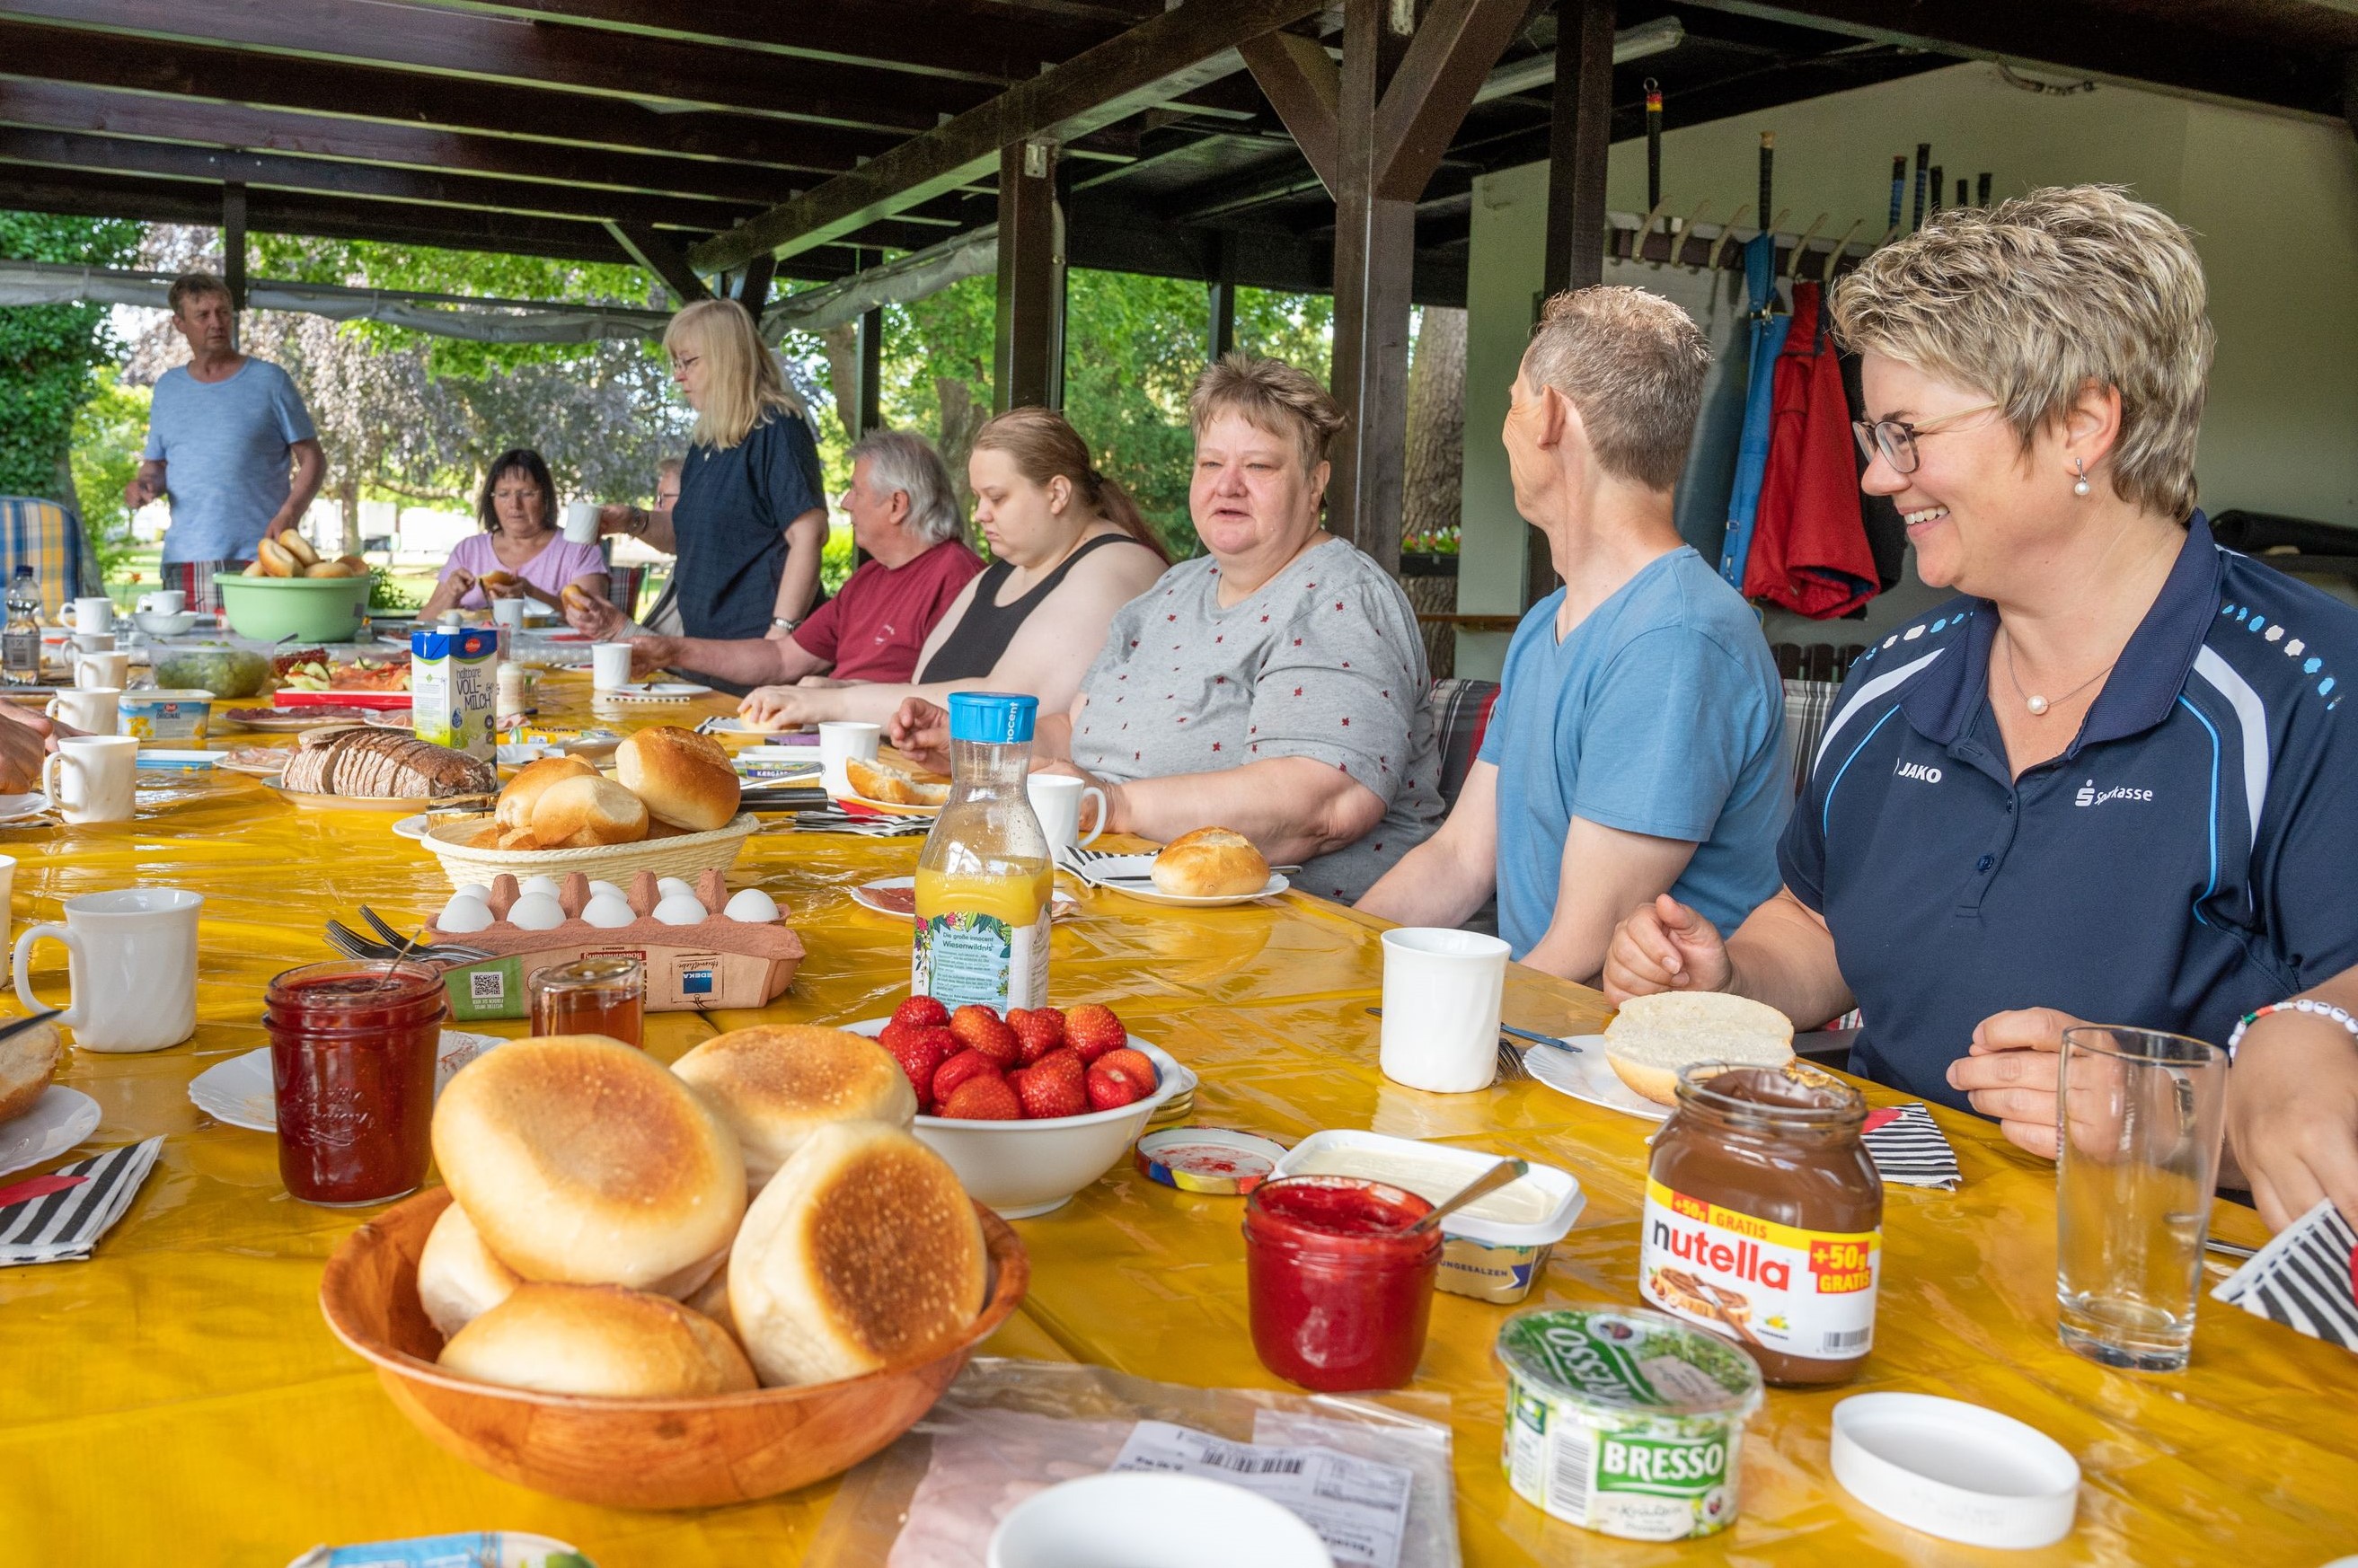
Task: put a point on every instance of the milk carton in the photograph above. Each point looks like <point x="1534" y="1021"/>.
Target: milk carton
<point x="454" y="686"/>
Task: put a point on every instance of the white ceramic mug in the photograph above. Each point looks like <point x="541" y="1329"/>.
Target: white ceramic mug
<point x="609" y="665"/>
<point x="581" y="522"/>
<point x="95" y="614"/>
<point x="170" y="602"/>
<point x="94" y="641"/>
<point x="103" y="668"/>
<point x="103" y="771"/>
<point x="1442" y="994"/>
<point x="840" y="740"/>
<point x="507" y="614"/>
<point x="132" y="975"/>
<point x="1056" y="802"/>
<point x="89" y="709"/>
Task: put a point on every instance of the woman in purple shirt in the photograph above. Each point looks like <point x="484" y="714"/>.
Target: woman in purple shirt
<point x="519" y="554"/>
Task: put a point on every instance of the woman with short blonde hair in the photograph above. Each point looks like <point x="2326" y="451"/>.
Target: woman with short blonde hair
<point x="2110" y="781"/>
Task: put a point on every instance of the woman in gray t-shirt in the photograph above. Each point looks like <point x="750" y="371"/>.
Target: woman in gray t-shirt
<point x="1276" y="687"/>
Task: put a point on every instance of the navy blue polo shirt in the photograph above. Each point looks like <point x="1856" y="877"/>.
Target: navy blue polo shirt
<point x="2191" y="856"/>
<point x="731" y="522"/>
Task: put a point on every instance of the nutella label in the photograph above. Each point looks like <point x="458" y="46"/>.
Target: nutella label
<point x="1807" y="1293"/>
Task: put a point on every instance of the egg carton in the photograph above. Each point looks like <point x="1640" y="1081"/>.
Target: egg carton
<point x="712" y="962"/>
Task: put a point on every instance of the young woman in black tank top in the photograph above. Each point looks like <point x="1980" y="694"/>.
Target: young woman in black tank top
<point x="983" y="632"/>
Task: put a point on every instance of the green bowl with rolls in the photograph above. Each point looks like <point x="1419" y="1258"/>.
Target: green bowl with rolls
<point x="303" y="609"/>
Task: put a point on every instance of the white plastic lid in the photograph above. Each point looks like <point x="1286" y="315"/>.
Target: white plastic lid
<point x="1955" y="1470"/>
<point x="1553" y="1197"/>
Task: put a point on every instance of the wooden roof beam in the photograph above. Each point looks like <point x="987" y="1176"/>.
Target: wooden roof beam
<point x="655" y="253"/>
<point x="1168" y="53"/>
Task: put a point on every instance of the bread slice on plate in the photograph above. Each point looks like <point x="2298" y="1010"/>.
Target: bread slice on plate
<point x="1652" y="1037"/>
<point x="892" y="785"/>
<point x="28" y="1060"/>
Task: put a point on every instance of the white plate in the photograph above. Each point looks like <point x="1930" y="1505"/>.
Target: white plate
<point x="734" y="725"/>
<point x="1143" y="865"/>
<point x="1589" y="1077"/>
<point x="652" y="691"/>
<point x="239" y="1092"/>
<point x="21" y="807"/>
<point x="60" y="1118"/>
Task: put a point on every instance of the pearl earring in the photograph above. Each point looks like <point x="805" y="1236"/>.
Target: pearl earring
<point x="2081" y="486"/>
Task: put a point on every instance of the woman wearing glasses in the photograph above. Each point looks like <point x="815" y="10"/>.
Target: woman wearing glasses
<point x="2109" y="782"/>
<point x="519" y="554"/>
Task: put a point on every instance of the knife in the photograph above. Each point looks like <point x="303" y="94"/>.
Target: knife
<point x="1531" y="1035"/>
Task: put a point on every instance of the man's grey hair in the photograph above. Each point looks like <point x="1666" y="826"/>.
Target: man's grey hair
<point x="906" y="461"/>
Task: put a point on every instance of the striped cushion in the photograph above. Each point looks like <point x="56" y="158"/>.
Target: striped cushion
<point x="47" y="537"/>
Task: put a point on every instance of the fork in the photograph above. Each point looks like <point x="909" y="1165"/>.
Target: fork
<point x="352" y="943"/>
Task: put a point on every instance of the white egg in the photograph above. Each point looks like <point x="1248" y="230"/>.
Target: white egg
<point x="754" y="906"/>
<point x="464" y="913"/>
<point x="607" y="913"/>
<point x="473" y="890"/>
<point x="539" y="884"/>
<point x="673" y="887"/>
<point x="598" y="886"/>
<point x="680" y="909"/>
<point x="536" y="911"/>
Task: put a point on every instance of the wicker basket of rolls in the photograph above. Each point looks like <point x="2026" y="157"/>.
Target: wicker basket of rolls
<point x="670" y="808"/>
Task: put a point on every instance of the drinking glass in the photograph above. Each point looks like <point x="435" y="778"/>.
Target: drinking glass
<point x="2140" y="1114"/>
<point x="605" y="995"/>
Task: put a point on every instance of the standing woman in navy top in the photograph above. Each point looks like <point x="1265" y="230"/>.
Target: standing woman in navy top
<point x="2110" y="783"/>
<point x="750" y="519"/>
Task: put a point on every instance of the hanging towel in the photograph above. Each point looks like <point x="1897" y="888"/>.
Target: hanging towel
<point x="1752" y="446"/>
<point x="1809" y="552"/>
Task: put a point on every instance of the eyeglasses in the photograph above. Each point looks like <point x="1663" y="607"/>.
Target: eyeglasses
<point x="1895" y="440"/>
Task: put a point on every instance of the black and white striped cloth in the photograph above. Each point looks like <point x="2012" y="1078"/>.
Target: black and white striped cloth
<point x="1909" y="1148"/>
<point x="2303" y="1279"/>
<point x="835" y="819"/>
<point x="63" y="1227"/>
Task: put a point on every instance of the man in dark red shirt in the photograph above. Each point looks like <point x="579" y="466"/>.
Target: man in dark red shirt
<point x="904" y="514"/>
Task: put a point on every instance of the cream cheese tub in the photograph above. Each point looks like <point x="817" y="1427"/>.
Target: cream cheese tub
<point x="1625" y="1423"/>
<point x="1491" y="1250"/>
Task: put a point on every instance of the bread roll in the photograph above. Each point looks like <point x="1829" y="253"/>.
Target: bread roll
<point x="276" y="559"/>
<point x="458" y="1278"/>
<point x="575" y="597"/>
<point x="297" y="547"/>
<point x="601" y="1340"/>
<point x="894" y="785"/>
<point x="28" y="1060"/>
<point x="862" y="1253"/>
<point x="777" y="1083"/>
<point x="686" y="779"/>
<point x="532" y="780"/>
<point x="711" y="1299"/>
<point x="498" y="579"/>
<point x="1653" y="1036"/>
<point x="334" y="569"/>
<point x="1210" y="862"/>
<point x="582" y="812"/>
<point x="582" y="1161"/>
<point x="254" y="568"/>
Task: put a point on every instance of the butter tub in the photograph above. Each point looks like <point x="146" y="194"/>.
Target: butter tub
<point x="1491" y="1250"/>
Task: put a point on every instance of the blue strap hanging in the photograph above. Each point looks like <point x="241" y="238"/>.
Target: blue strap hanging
<point x="1768" y="341"/>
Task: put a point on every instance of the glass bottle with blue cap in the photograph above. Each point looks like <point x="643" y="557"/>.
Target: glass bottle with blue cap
<point x="985" y="878"/>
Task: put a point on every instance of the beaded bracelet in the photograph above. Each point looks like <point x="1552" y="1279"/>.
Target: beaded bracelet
<point x="2339" y="1015"/>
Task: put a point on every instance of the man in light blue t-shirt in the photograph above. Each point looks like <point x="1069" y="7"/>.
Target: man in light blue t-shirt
<point x="1638" y="746"/>
<point x="223" y="432"/>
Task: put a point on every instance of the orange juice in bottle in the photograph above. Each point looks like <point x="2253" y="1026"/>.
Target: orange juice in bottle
<point x="985" y="878"/>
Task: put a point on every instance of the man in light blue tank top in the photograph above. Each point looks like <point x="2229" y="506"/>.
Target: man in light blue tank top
<point x="1638" y="746"/>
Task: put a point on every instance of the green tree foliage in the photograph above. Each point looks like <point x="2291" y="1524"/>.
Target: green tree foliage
<point x="109" y="431"/>
<point x="48" y="351"/>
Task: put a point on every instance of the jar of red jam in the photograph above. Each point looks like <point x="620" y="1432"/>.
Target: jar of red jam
<point x="352" y="1055"/>
<point x="1339" y="1294"/>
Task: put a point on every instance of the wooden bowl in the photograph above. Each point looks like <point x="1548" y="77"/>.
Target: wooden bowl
<point x="629" y="1454"/>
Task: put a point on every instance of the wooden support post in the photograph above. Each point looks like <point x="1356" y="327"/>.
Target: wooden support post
<point x="872" y="372"/>
<point x="1029" y="364"/>
<point x="1578" y="138"/>
<point x="1221" y="337"/>
<point x="233" y="242"/>
<point x="754" y="283"/>
<point x="661" y="257"/>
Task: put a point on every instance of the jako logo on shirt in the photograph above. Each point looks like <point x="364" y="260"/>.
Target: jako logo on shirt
<point x="1923" y="770"/>
<point x="2087" y="795"/>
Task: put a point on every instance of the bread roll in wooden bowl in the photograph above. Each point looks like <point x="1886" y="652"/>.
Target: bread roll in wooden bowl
<point x="631" y="1453"/>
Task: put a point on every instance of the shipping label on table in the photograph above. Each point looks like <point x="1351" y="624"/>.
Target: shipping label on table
<point x="1358" y="1507"/>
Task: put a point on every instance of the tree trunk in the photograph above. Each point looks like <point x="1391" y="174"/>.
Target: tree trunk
<point x="1436" y="429"/>
<point x="842" y="346"/>
<point x="962" y="419"/>
<point x="349" y="495"/>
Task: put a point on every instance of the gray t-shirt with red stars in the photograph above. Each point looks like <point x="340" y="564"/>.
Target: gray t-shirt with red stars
<point x="1322" y="662"/>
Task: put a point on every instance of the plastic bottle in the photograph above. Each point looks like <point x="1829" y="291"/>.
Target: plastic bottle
<point x="985" y="880"/>
<point x="20" y="641"/>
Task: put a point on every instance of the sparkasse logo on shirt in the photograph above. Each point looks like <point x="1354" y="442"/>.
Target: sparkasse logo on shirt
<point x="2089" y="795"/>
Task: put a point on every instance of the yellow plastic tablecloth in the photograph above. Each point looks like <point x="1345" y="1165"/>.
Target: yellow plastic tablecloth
<point x="179" y="1399"/>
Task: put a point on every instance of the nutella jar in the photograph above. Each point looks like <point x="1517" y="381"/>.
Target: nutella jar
<point x="1764" y="1217"/>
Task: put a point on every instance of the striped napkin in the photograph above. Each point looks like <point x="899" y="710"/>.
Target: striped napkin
<point x="835" y="819"/>
<point x="1908" y="1147"/>
<point x="64" y="1222"/>
<point x="2307" y="1278"/>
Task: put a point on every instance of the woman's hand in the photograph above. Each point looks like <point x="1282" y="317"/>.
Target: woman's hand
<point x="587" y="613"/>
<point x="617" y="517"/>
<point x="2292" y="1116"/>
<point x="2011" y="1073"/>
<point x="23" y="745"/>
<point x="920" y="730"/>
<point x="456" y="584"/>
<point x="515" y="587"/>
<point x="1664" y="946"/>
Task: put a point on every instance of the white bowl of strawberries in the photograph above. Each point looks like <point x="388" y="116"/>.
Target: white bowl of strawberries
<point x="1032" y="1107"/>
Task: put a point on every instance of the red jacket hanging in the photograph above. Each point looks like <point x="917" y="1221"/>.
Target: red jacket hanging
<point x="1809" y="552"/>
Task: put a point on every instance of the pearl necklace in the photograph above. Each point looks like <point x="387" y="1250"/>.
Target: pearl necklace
<point x="2033" y="700"/>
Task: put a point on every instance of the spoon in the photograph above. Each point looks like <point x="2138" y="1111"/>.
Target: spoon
<point x="1498" y="1176"/>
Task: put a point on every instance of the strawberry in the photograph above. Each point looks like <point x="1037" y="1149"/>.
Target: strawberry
<point x="983" y="1100"/>
<point x="923" y="1011"/>
<point x="990" y="1036"/>
<point x="921" y="1052"/>
<point x="1053" y="1088"/>
<point x="1093" y="1030"/>
<point x="958" y="1070"/>
<point x="896" y="1034"/>
<point x="1135" y="1063"/>
<point x="1041" y="1029"/>
<point x="1064" y="1059"/>
<point x="1114" y="1083"/>
<point x="967" y="1021"/>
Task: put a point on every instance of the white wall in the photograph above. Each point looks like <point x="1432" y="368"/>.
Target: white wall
<point x="2273" y="201"/>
